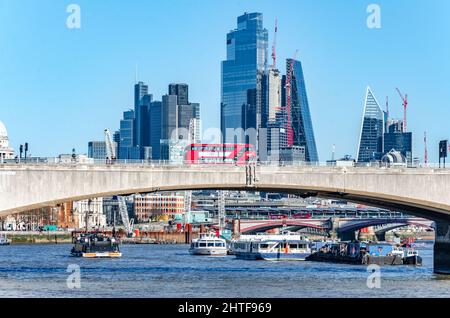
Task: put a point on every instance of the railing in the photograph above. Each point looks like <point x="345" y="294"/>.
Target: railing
<point x="57" y="161"/>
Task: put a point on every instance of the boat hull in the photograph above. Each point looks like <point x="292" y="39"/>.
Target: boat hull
<point x="272" y="256"/>
<point x="413" y="260"/>
<point x="209" y="251"/>
<point x="98" y="255"/>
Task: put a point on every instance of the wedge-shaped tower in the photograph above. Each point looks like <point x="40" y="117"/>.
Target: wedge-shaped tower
<point x="372" y="128"/>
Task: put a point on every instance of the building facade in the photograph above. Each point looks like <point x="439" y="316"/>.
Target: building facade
<point x="247" y="48"/>
<point x="6" y="152"/>
<point x="97" y="149"/>
<point x="398" y="140"/>
<point x="140" y="90"/>
<point x="302" y="126"/>
<point x="90" y="211"/>
<point x="153" y="206"/>
<point x="372" y="129"/>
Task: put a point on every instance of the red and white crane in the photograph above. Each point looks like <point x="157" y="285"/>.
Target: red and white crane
<point x="405" y="106"/>
<point x="289" y="74"/>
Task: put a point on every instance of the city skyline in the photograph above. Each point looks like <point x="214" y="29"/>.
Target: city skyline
<point x="84" y="113"/>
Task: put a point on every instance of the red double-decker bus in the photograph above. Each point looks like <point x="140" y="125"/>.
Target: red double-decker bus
<point x="220" y="153"/>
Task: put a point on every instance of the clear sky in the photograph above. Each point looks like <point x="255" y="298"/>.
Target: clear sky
<point x="60" y="87"/>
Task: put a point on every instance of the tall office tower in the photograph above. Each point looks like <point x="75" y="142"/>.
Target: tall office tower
<point x="144" y="132"/>
<point x="182" y="92"/>
<point x="273" y="94"/>
<point x="169" y="124"/>
<point x="186" y="113"/>
<point x="247" y="48"/>
<point x="169" y="116"/>
<point x="396" y="139"/>
<point x="140" y="90"/>
<point x="372" y="128"/>
<point x="126" y="134"/>
<point x="155" y="128"/>
<point x="301" y="121"/>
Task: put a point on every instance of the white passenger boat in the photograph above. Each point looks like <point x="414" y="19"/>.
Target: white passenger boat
<point x="286" y="246"/>
<point x="208" y="244"/>
<point x="4" y="240"/>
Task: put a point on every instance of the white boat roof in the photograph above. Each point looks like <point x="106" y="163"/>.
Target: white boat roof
<point x="272" y="237"/>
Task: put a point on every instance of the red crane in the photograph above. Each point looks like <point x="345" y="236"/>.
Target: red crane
<point x="405" y="106"/>
<point x="274" y="46"/>
<point x="289" y="73"/>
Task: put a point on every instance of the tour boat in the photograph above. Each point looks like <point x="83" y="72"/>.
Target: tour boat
<point x="4" y="240"/>
<point x="286" y="246"/>
<point x="96" y="246"/>
<point x="208" y="244"/>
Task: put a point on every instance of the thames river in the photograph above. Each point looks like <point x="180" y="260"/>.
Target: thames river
<point x="170" y="271"/>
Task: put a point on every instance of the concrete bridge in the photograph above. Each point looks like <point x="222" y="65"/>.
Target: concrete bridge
<point x="419" y="191"/>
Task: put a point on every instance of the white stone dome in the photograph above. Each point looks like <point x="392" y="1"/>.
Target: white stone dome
<point x="3" y="132"/>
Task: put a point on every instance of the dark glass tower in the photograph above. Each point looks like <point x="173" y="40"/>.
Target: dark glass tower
<point x="126" y="134"/>
<point x="140" y="90"/>
<point x="246" y="62"/>
<point x="154" y="115"/>
<point x="301" y="121"/>
<point x="182" y="92"/>
<point x="372" y="128"/>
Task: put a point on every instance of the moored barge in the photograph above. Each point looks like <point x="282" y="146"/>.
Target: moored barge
<point x="365" y="254"/>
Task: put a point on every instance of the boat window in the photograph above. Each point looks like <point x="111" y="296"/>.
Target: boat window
<point x="210" y="244"/>
<point x="264" y="245"/>
<point x="292" y="245"/>
<point x="219" y="244"/>
<point x="301" y="245"/>
<point x="202" y="244"/>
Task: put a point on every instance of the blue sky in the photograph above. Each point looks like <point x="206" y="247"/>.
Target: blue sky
<point x="59" y="88"/>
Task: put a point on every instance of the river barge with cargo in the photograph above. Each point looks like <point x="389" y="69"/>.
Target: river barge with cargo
<point x="363" y="253"/>
<point x="95" y="245"/>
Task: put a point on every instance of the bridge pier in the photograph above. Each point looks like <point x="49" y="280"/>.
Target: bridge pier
<point x="381" y="236"/>
<point x="442" y="248"/>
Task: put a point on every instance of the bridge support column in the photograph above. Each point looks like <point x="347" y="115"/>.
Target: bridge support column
<point x="381" y="236"/>
<point x="334" y="226"/>
<point x="442" y="248"/>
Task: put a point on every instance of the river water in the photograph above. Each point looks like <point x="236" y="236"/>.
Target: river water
<point x="170" y="271"/>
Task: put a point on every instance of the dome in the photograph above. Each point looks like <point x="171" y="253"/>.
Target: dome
<point x="394" y="157"/>
<point x="3" y="132"/>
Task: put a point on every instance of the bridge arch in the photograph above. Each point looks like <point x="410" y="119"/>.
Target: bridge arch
<point x="273" y="224"/>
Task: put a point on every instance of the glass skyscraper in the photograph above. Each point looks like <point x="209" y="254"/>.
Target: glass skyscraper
<point x="302" y="126"/>
<point x="140" y="91"/>
<point x="372" y="129"/>
<point x="246" y="62"/>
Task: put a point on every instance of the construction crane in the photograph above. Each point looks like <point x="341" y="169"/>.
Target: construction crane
<point x="221" y="210"/>
<point x="187" y="206"/>
<point x="274" y="46"/>
<point x="110" y="153"/>
<point x="426" y="149"/>
<point x="405" y="106"/>
<point x="289" y="74"/>
<point x="127" y="223"/>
